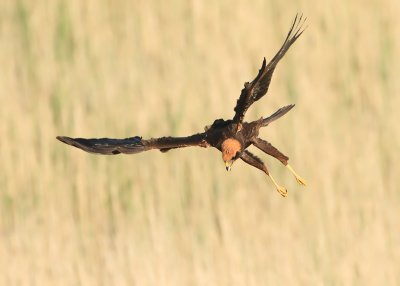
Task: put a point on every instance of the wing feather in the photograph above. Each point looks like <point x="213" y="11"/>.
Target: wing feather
<point x="133" y="145"/>
<point x="256" y="89"/>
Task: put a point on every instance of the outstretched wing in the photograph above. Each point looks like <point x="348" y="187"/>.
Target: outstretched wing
<point x="256" y="89"/>
<point x="133" y="145"/>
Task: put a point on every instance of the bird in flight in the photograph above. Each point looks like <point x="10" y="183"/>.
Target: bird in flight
<point x="232" y="137"/>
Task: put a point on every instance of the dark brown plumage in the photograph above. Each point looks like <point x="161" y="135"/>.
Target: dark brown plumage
<point x="231" y="137"/>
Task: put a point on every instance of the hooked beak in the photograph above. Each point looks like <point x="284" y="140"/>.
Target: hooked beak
<point x="228" y="165"/>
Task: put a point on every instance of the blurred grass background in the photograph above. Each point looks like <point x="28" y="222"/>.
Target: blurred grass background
<point x="152" y="68"/>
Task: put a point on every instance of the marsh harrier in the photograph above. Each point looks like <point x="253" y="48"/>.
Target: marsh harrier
<point x="232" y="137"/>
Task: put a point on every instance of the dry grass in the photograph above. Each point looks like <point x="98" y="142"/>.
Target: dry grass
<point x="95" y="68"/>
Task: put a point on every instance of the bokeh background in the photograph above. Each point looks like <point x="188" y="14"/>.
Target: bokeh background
<point x="151" y="68"/>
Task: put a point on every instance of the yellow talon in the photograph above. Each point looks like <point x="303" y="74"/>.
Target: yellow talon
<point x="280" y="189"/>
<point x="299" y="179"/>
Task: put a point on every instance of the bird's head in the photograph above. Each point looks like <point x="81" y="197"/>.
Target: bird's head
<point x="231" y="149"/>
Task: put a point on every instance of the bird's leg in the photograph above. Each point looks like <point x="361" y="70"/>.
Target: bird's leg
<point x="272" y="151"/>
<point x="280" y="189"/>
<point x="299" y="179"/>
<point x="254" y="161"/>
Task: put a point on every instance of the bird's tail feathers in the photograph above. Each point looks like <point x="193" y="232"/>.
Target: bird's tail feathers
<point x="277" y="114"/>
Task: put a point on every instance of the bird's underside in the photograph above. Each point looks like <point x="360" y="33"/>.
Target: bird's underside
<point x="232" y="137"/>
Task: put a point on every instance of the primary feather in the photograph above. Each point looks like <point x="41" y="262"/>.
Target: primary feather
<point x="256" y="89"/>
<point x="132" y="145"/>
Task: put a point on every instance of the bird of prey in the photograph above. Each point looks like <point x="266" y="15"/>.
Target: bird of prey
<point x="232" y="137"/>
